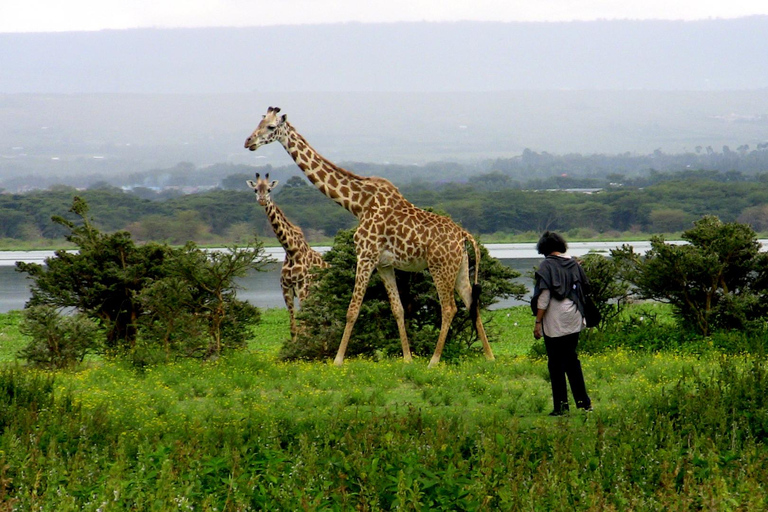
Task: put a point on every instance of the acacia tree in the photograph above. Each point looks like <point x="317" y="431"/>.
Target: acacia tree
<point x="719" y="279"/>
<point x="323" y="314"/>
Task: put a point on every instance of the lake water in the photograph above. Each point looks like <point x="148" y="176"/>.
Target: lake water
<point x="262" y="289"/>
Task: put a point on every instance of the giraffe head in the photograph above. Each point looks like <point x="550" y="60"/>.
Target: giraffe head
<point x="271" y="128"/>
<point x="262" y="187"/>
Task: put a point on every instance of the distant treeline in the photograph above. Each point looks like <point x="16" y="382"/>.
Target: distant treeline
<point x="488" y="204"/>
<point x="529" y="170"/>
<point x="544" y="169"/>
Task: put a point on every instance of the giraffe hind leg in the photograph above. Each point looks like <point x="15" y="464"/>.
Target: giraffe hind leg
<point x="444" y="286"/>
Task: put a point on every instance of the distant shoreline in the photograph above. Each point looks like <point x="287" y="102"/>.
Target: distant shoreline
<point x="501" y="251"/>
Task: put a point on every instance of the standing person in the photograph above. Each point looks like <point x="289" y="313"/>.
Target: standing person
<point x="558" y="303"/>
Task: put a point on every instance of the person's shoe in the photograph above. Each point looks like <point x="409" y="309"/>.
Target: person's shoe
<point x="559" y="413"/>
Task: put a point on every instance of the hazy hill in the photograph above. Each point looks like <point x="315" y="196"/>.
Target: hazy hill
<point x="124" y="101"/>
<point x="466" y="56"/>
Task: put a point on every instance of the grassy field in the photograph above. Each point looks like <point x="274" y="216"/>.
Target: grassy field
<point x="670" y="431"/>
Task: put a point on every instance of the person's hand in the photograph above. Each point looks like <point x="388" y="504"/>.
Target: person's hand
<point x="537" y="331"/>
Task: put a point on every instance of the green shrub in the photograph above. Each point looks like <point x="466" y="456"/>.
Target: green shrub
<point x="57" y="340"/>
<point x="752" y="340"/>
<point x="606" y="287"/>
<point x="719" y="280"/>
<point x="153" y="301"/>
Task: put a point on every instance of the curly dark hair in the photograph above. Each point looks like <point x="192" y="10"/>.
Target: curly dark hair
<point x="551" y="242"/>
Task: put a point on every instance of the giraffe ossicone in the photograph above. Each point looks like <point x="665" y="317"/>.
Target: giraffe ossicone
<point x="392" y="234"/>
<point x="300" y="258"/>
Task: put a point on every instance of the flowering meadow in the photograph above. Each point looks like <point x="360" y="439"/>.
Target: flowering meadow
<point x="670" y="430"/>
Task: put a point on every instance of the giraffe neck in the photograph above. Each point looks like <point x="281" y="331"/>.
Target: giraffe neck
<point x="340" y="185"/>
<point x="289" y="235"/>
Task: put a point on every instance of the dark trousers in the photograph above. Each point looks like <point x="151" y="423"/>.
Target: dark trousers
<point x="561" y="361"/>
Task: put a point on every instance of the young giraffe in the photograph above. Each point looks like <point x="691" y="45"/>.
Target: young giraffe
<point x="295" y="276"/>
<point x="392" y="233"/>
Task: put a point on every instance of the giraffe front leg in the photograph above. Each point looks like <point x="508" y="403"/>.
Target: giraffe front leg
<point x="390" y="283"/>
<point x="362" y="276"/>
<point x="288" y="295"/>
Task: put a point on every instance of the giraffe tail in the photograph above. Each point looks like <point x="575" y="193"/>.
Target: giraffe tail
<point x="474" y="308"/>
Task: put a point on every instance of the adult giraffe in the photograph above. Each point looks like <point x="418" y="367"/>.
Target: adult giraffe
<point x="392" y="234"/>
<point x="295" y="276"/>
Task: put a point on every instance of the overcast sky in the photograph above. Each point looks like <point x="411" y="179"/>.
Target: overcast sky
<point x="76" y="15"/>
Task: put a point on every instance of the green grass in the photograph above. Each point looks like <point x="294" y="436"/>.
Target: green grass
<point x="248" y="432"/>
<point x="11" y="341"/>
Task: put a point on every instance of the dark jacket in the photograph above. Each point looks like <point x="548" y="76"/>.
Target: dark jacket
<point x="564" y="278"/>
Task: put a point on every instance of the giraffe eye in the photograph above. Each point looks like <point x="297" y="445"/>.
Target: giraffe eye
<point x="271" y="127"/>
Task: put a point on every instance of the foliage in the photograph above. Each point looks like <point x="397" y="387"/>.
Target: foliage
<point x="669" y="432"/>
<point x="644" y="328"/>
<point x="57" y="340"/>
<point x="323" y="314"/>
<point x="719" y="280"/>
<point x="180" y="299"/>
<point x="11" y="340"/>
<point x="492" y="203"/>
<point x="732" y="404"/>
<point x="608" y="290"/>
<point x="101" y="279"/>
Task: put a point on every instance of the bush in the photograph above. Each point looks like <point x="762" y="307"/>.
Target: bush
<point x="719" y="280"/>
<point x="607" y="289"/>
<point x="323" y="315"/>
<point x="58" y="340"/>
<point x="640" y="331"/>
<point x="150" y="299"/>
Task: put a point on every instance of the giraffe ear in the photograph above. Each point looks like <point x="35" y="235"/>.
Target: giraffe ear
<point x="284" y="118"/>
<point x="251" y="183"/>
<point x="273" y="184"/>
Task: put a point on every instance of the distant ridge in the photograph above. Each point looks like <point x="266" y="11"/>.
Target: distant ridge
<point x="398" y="57"/>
